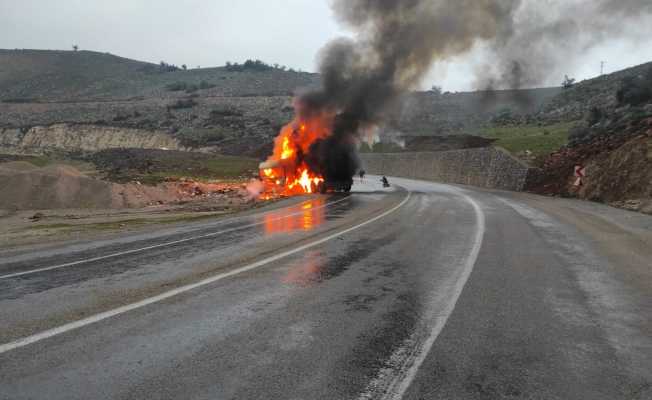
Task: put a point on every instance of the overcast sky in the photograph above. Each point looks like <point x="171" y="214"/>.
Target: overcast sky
<point x="211" y="32"/>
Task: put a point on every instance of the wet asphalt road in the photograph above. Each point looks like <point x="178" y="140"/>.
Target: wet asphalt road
<point x="423" y="292"/>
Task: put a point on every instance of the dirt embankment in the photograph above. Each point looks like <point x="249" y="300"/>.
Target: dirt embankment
<point x="26" y="187"/>
<point x="618" y="169"/>
<point x="623" y="177"/>
<point x="613" y="142"/>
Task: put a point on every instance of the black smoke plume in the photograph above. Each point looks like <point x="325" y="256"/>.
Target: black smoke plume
<point x="395" y="44"/>
<point x="397" y="41"/>
<point x="547" y="39"/>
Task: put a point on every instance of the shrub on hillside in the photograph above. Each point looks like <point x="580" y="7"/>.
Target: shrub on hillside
<point x="165" y="67"/>
<point x="595" y="115"/>
<point x="188" y="87"/>
<point x="568" y="82"/>
<point x="206" y="85"/>
<point x="199" y="137"/>
<point x="253" y="66"/>
<point x="636" y="90"/>
<point x="192" y="88"/>
<point x="176" y="86"/>
<point x="504" y="116"/>
<point x="579" y="134"/>
<point x="182" y="103"/>
<point x="225" y="112"/>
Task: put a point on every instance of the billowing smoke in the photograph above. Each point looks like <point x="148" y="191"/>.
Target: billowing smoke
<point x="545" y="39"/>
<point x="395" y="45"/>
<point x="397" y="41"/>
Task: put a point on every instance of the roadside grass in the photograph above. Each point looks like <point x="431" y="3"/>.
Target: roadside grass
<point x="44" y="161"/>
<point x="37" y="161"/>
<point x="217" y="168"/>
<point x="540" y="140"/>
<point x="151" y="167"/>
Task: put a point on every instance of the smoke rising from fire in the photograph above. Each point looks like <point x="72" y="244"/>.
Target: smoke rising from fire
<point x="527" y="42"/>
<point x="396" y="42"/>
<point x="543" y="40"/>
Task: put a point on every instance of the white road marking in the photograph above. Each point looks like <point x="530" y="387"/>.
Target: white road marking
<point x="174" y="292"/>
<point x="122" y="253"/>
<point x="401" y="379"/>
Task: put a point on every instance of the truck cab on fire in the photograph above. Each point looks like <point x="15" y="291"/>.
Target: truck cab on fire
<point x="274" y="176"/>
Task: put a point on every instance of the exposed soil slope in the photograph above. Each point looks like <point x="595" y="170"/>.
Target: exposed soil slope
<point x="617" y="154"/>
<point x="221" y="110"/>
<point x="27" y="187"/>
<point x="56" y="186"/>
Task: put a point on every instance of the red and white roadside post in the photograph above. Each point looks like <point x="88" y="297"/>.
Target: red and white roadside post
<point x="580" y="174"/>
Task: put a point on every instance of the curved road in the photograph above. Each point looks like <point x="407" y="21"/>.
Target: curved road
<point x="424" y="291"/>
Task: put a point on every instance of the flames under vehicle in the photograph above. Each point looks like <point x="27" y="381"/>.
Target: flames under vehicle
<point x="277" y="178"/>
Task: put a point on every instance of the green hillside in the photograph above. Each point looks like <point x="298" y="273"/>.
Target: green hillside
<point x="44" y="75"/>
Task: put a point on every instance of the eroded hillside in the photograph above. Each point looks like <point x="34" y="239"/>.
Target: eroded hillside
<point x="225" y="110"/>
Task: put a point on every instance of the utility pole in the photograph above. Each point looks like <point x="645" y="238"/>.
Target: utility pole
<point x="602" y="67"/>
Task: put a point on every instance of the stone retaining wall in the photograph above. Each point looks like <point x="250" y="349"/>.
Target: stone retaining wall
<point x="488" y="167"/>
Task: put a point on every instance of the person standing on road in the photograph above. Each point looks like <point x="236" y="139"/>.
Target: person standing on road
<point x="362" y="174"/>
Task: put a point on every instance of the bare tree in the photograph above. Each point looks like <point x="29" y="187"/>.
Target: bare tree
<point x="568" y="82"/>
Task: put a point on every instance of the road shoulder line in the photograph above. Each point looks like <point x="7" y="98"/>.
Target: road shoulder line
<point x="397" y="384"/>
<point x="174" y="292"/>
<point x="156" y="246"/>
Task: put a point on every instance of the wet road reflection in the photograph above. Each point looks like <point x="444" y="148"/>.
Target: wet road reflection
<point x="307" y="271"/>
<point x="312" y="215"/>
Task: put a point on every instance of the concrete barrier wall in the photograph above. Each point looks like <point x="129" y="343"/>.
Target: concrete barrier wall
<point x="488" y="167"/>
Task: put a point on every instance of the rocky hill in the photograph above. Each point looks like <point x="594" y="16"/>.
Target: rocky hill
<point x="44" y="76"/>
<point x="434" y="114"/>
<point x="66" y="100"/>
<point x="52" y="100"/>
<point x="49" y="98"/>
<point x="613" y="142"/>
<point x="574" y="103"/>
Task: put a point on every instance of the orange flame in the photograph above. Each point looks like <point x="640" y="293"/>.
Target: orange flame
<point x="290" y="174"/>
<point x="287" y="152"/>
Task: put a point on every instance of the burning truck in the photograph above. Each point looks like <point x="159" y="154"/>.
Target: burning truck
<point x="307" y="158"/>
<point x="274" y="175"/>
